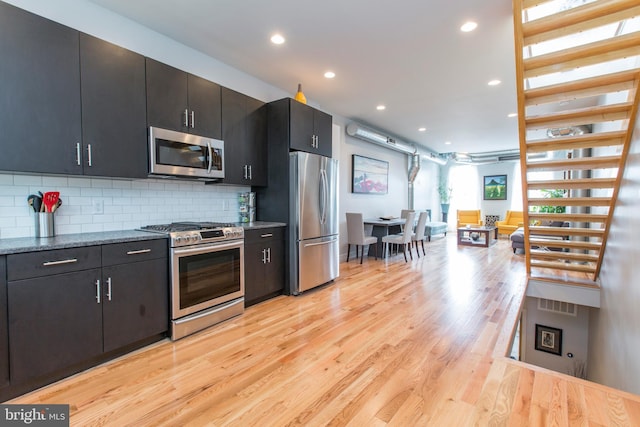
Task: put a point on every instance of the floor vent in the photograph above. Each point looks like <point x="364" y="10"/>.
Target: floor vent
<point x="559" y="307"/>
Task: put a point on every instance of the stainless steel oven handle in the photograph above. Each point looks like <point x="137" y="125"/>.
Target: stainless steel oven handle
<point x="214" y="247"/>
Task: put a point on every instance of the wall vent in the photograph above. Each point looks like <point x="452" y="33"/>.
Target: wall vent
<point x="559" y="307"/>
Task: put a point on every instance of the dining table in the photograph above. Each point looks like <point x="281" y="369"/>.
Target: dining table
<point x="379" y="228"/>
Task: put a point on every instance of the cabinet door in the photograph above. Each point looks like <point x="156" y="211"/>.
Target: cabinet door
<point x="205" y="105"/>
<point x="54" y="322"/>
<point x="254" y="280"/>
<point x="234" y="134"/>
<point x="40" y="101"/>
<point x="274" y="269"/>
<point x="4" y="338"/>
<point x="166" y="96"/>
<point x="113" y="110"/>
<point x="256" y="153"/>
<point x="322" y="128"/>
<point x="135" y="302"/>
<point x="301" y="127"/>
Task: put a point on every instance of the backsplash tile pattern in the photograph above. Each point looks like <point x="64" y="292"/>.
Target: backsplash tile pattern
<point x="124" y="204"/>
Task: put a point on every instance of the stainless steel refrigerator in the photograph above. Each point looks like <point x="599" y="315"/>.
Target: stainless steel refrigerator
<point x="313" y="216"/>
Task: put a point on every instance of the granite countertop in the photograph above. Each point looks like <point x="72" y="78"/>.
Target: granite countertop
<point x="63" y="241"/>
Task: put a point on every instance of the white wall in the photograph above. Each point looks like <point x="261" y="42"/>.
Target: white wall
<point x="614" y="329"/>
<point x="575" y="337"/>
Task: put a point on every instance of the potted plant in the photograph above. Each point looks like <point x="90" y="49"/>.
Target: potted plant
<point x="445" y="197"/>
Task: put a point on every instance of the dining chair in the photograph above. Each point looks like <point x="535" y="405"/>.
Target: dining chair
<point x="403" y="239"/>
<point x="356" y="236"/>
<point x="419" y="235"/>
<point x="403" y="215"/>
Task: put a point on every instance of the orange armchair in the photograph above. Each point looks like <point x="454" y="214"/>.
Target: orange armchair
<point x="471" y="218"/>
<point x="511" y="223"/>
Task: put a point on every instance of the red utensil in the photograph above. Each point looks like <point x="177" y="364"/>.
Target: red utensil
<point x="50" y="199"/>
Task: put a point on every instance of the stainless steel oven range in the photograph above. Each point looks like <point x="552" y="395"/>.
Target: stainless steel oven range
<point x="206" y="273"/>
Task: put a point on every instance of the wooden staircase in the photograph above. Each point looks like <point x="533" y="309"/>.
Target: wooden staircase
<point x="574" y="128"/>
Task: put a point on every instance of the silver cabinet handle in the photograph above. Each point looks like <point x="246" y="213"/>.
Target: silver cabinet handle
<point x="250" y="174"/>
<point x="245" y="171"/>
<point x="193" y="119"/>
<point x="78" y="153"/>
<point x="139" y="251"/>
<point x="109" y="288"/>
<point x="264" y="256"/>
<point x="98" y="291"/>
<point x="64" y="261"/>
<point x="186" y="117"/>
<point x="269" y="255"/>
<point x="89" y="161"/>
<point x="266" y="235"/>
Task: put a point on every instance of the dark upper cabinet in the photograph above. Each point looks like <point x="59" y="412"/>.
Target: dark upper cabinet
<point x="306" y="128"/>
<point x="244" y="131"/>
<point x="310" y="129"/>
<point x="40" y="101"/>
<point x="182" y="102"/>
<point x="114" y="131"/>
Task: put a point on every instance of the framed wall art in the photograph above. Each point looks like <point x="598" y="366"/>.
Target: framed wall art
<point x="495" y="187"/>
<point x="370" y="176"/>
<point x="549" y="339"/>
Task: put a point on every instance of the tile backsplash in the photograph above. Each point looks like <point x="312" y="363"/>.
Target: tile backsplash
<point x="103" y="204"/>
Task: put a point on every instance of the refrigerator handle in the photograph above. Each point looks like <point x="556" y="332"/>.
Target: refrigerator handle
<point x="323" y="196"/>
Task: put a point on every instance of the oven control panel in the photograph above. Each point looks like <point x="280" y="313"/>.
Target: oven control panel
<point x="185" y="238"/>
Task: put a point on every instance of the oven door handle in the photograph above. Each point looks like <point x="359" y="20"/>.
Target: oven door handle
<point x="215" y="247"/>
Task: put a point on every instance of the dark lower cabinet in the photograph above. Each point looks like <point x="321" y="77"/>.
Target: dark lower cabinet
<point x="4" y="337"/>
<point x="54" y="322"/>
<point x="80" y="307"/>
<point x="136" y="302"/>
<point x="264" y="264"/>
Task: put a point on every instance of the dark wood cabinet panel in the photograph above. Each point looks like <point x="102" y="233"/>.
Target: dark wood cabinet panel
<point x="136" y="302"/>
<point x="310" y="129"/>
<point x="47" y="263"/>
<point x="182" y="102"/>
<point x="244" y="133"/>
<point x="40" y="102"/>
<point x="54" y="322"/>
<point x="4" y="328"/>
<point x="264" y="264"/>
<point x="123" y="253"/>
<point x="205" y="103"/>
<point x="114" y="131"/>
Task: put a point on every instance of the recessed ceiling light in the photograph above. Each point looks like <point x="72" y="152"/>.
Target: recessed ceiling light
<point x="468" y="26"/>
<point x="494" y="82"/>
<point x="447" y="143"/>
<point x="380" y="107"/>
<point x="329" y="74"/>
<point x="512" y="115"/>
<point x="422" y="129"/>
<point x="277" y="39"/>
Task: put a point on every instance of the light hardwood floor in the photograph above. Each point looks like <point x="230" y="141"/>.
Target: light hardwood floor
<point x="389" y="343"/>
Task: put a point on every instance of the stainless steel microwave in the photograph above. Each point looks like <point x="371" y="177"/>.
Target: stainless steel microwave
<point x="185" y="155"/>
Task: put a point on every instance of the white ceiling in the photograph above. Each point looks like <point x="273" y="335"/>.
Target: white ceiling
<point x="408" y="55"/>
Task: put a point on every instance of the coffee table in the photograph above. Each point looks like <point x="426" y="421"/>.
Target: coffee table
<point x="484" y="236"/>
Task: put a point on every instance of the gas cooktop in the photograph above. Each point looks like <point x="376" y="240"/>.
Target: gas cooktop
<point x="195" y="233"/>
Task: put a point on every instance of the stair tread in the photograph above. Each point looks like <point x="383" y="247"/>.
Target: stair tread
<point x="563" y="266"/>
<point x="576" y="183"/>
<point x="580" y="56"/>
<point x="596" y="114"/>
<point x="578" y="19"/>
<point x="568" y="217"/>
<point x="559" y="255"/>
<point x="589" y="140"/>
<point x="578" y="163"/>
<point x="569" y="244"/>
